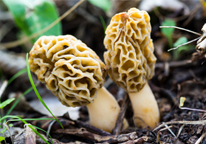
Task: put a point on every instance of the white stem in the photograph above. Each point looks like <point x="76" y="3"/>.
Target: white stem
<point x="145" y="108"/>
<point x="103" y="112"/>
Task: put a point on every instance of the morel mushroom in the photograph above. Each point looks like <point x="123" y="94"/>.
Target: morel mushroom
<point x="131" y="62"/>
<point x="75" y="74"/>
<point x="201" y="43"/>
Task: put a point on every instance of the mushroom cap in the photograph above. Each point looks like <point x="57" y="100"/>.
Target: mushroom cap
<point x="70" y="69"/>
<point x="129" y="57"/>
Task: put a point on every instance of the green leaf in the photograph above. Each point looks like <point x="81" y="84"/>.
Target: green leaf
<point x="180" y="41"/>
<point x="6" y="102"/>
<point x="178" y="51"/>
<point x="103" y="4"/>
<point x="2" y="138"/>
<point x="32" y="16"/>
<point x="168" y="31"/>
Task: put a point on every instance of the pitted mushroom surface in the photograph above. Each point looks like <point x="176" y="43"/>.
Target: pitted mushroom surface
<point x="131" y="62"/>
<point x="71" y="70"/>
<point x="129" y="57"/>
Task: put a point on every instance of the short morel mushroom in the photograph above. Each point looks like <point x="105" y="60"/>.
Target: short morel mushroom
<point x="130" y="61"/>
<point x="75" y="74"/>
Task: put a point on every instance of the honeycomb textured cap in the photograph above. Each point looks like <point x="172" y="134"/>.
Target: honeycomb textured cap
<point x="129" y="56"/>
<point x="70" y="69"/>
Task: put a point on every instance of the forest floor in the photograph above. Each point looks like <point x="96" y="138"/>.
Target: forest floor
<point x="178" y="73"/>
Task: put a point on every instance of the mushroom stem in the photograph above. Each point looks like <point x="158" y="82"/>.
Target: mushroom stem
<point x="103" y="112"/>
<point x="145" y="108"/>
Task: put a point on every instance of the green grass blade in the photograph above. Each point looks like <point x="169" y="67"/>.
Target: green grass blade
<point x="168" y="31"/>
<point x="37" y="93"/>
<point x="6" y="102"/>
<point x="17" y="75"/>
<point x="45" y="132"/>
<point x="33" y="119"/>
<point x="19" y="98"/>
<point x="103" y="23"/>
<point x="16" y="118"/>
<point x="31" y="127"/>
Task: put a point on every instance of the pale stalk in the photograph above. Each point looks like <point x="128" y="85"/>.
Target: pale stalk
<point x="145" y="108"/>
<point x="103" y="112"/>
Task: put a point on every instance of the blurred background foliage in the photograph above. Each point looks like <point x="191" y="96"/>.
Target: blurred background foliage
<point x="88" y="21"/>
<point x="32" y="16"/>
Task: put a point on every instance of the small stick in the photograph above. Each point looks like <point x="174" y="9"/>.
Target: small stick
<point x="97" y="138"/>
<point x="184" y="44"/>
<point x="120" y="117"/>
<point x="30" y="136"/>
<point x="180" y="130"/>
<point x="200" y="122"/>
<point x="92" y="128"/>
<point x="181" y="29"/>
<point x="49" y="128"/>
<point x="200" y="139"/>
<point x="7" y="127"/>
<point x="193" y="109"/>
<point x="158" y="133"/>
<point x="3" y="87"/>
<point x="170" y="130"/>
<point x="173" y="64"/>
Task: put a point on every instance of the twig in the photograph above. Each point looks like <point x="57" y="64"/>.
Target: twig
<point x="181" y="29"/>
<point x="49" y="127"/>
<point x="137" y="141"/>
<point x="3" y="87"/>
<point x="120" y="117"/>
<point x="192" y="109"/>
<point x="183" y="44"/>
<point x="92" y="128"/>
<point x="200" y="139"/>
<point x="180" y="130"/>
<point x="98" y="138"/>
<point x="21" y="41"/>
<point x="170" y="130"/>
<point x="158" y="133"/>
<point x="174" y="64"/>
<point x="200" y="122"/>
<point x="7" y="127"/>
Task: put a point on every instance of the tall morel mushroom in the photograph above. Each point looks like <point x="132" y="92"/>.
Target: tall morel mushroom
<point x="131" y="62"/>
<point x="75" y="74"/>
